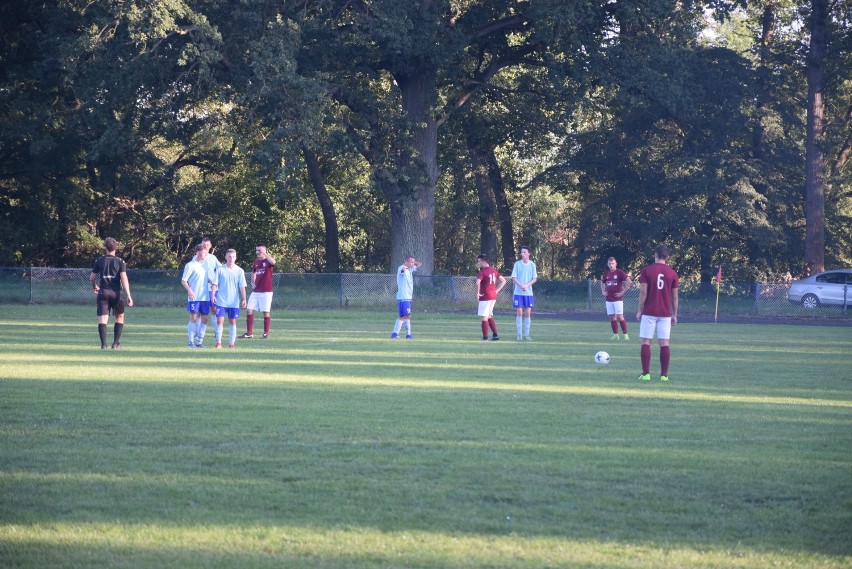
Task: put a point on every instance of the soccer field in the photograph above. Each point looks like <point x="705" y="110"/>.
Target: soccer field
<point x="330" y="445"/>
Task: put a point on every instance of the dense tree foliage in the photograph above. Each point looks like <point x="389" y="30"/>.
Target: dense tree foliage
<point x="347" y="133"/>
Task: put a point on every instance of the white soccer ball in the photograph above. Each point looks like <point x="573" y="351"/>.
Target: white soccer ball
<point x="602" y="358"/>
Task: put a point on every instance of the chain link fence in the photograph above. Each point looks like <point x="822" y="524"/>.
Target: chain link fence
<point x="40" y="285"/>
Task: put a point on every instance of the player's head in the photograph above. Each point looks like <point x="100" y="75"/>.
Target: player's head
<point x="611" y="263"/>
<point x="482" y="261"/>
<point x="206" y="243"/>
<point x="260" y="250"/>
<point x="200" y="252"/>
<point x="661" y="252"/>
<point x="111" y="245"/>
<point x="525" y="252"/>
<point x="231" y="256"/>
<point x="409" y="261"/>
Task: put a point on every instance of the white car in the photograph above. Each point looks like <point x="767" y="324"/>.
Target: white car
<point x="828" y="288"/>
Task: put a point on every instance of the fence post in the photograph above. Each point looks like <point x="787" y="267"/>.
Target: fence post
<point x="31" y="285"/>
<point x="757" y="298"/>
<point x="845" y="289"/>
<point x="340" y="290"/>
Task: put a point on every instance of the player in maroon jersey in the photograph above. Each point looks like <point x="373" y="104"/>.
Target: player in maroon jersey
<point x="614" y="283"/>
<point x="658" y="303"/>
<point x="261" y="295"/>
<point x="489" y="283"/>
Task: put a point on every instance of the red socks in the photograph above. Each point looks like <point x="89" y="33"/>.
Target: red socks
<point x="645" y="354"/>
<point x="493" y="326"/>
<point x="665" y="357"/>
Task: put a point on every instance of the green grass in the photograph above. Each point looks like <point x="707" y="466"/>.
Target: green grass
<point x="331" y="446"/>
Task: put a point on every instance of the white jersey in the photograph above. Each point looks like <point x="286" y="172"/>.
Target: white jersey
<point x="195" y="276"/>
<point x="230" y="281"/>
<point x="211" y="265"/>
<point x="524" y="272"/>
<point x="405" y="282"/>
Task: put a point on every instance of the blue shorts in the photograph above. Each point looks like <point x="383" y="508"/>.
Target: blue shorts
<point x="198" y="306"/>
<point x="522" y="301"/>
<point x="404" y="307"/>
<point x="231" y="313"/>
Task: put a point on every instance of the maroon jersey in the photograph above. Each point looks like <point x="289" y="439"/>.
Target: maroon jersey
<point x="661" y="280"/>
<point x="262" y="271"/>
<point x="614" y="281"/>
<point x="488" y="278"/>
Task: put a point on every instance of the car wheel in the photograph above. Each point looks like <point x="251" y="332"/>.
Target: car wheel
<point x="810" y="301"/>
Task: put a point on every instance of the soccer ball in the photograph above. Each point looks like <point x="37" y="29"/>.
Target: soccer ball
<point x="602" y="358"/>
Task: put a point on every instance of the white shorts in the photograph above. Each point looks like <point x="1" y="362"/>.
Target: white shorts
<point x="260" y="301"/>
<point x="616" y="307"/>
<point x="486" y="308"/>
<point x="661" y="325"/>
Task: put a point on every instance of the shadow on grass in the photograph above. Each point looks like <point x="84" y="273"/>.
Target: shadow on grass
<point x="468" y="462"/>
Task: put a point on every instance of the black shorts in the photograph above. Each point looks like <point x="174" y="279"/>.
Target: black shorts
<point x="109" y="299"/>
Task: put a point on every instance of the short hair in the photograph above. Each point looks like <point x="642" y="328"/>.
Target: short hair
<point x="662" y="252"/>
<point x="524" y="247"/>
<point x="110" y="244"/>
<point x="260" y="245"/>
<point x="482" y="257"/>
<point x="199" y="247"/>
<point x="203" y="239"/>
<point x="611" y="259"/>
<point x="234" y="251"/>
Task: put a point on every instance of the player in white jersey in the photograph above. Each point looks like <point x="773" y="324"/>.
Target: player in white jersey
<point x="524" y="276"/>
<point x="404" y="295"/>
<point x="229" y="295"/>
<point x="194" y="280"/>
<point x="211" y="264"/>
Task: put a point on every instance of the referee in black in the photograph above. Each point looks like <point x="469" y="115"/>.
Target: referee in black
<point x="108" y="277"/>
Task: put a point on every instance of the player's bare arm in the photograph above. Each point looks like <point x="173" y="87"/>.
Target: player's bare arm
<point x="643" y="294"/>
<point x="93" y="278"/>
<point x="189" y="290"/>
<point x="126" y="284"/>
<point x="674" y="306"/>
<point x="625" y="286"/>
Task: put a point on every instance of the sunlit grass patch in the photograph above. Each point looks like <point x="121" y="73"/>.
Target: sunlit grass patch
<point x="330" y="445"/>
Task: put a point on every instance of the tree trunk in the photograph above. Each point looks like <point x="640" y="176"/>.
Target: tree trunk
<point x="504" y="212"/>
<point x="410" y="189"/>
<point x="332" y="235"/>
<point x="768" y="23"/>
<point x="815" y="184"/>
<point x="487" y="207"/>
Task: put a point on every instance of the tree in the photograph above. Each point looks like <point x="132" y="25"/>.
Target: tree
<point x="815" y="160"/>
<point x="403" y="68"/>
